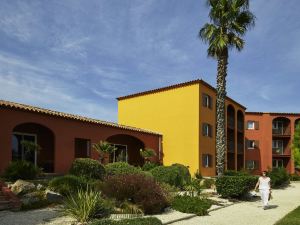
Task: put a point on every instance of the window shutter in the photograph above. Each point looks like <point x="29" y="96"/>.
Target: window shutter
<point x="203" y="160"/>
<point x="247" y="143"/>
<point x="203" y="129"/>
<point x="255" y="164"/>
<point x="210" y="160"/>
<point x="203" y="100"/>
<point x="210" y="130"/>
<point x="246" y="124"/>
<point x="210" y="102"/>
<point x="256" y="144"/>
<point x="256" y="125"/>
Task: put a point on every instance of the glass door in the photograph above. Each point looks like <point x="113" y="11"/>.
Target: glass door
<point x="19" y="150"/>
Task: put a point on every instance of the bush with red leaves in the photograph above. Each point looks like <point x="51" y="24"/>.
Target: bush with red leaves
<point x="139" y="189"/>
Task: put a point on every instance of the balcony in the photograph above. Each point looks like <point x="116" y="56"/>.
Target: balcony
<point x="230" y="123"/>
<point x="284" y="131"/>
<point x="230" y="146"/>
<point x="240" y="148"/>
<point x="240" y="126"/>
<point x="281" y="152"/>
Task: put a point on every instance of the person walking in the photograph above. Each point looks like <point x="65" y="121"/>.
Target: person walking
<point x="264" y="186"/>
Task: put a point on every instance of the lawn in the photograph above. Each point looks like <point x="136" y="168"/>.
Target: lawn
<point x="293" y="218"/>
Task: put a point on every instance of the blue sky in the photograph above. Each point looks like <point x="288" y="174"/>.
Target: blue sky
<point x="77" y="56"/>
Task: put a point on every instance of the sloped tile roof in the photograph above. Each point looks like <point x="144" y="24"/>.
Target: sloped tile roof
<point x="19" y="106"/>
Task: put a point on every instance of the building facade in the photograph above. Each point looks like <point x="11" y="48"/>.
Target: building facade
<point x="63" y="137"/>
<point x="185" y="115"/>
<point x="268" y="140"/>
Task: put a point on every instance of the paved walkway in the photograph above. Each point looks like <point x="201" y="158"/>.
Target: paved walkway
<point x="250" y="213"/>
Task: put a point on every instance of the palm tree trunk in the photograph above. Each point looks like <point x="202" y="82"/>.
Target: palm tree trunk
<point x="221" y="95"/>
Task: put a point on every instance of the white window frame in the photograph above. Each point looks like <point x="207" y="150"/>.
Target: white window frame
<point x="251" y="127"/>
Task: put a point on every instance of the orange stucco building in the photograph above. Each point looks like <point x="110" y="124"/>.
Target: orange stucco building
<point x="64" y="137"/>
<point x="268" y="140"/>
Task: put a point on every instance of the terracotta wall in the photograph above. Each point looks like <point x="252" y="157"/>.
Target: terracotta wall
<point x="65" y="131"/>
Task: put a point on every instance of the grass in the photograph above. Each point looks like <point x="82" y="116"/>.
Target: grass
<point x="293" y="218"/>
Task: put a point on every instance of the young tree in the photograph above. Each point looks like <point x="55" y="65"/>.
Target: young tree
<point x="230" y="19"/>
<point x="296" y="146"/>
<point x="102" y="148"/>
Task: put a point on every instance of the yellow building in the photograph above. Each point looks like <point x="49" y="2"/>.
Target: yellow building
<point x="185" y="115"/>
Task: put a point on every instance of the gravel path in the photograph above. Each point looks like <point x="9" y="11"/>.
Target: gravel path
<point x="249" y="213"/>
<point x="47" y="216"/>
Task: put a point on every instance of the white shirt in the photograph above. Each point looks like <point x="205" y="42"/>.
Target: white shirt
<point x="264" y="183"/>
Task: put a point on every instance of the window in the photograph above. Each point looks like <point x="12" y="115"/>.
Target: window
<point x="251" y="125"/>
<point x="252" y="144"/>
<point x="206" y="101"/>
<point x="251" y="164"/>
<point x="120" y="154"/>
<point x="277" y="124"/>
<point x="206" y="160"/>
<point x="277" y="163"/>
<point x="82" y="148"/>
<point x="206" y="130"/>
<point x="19" y="151"/>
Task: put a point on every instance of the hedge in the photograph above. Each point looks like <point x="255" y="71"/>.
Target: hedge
<point x="235" y="186"/>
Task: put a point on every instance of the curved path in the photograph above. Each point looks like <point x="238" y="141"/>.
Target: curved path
<point x="250" y="213"/>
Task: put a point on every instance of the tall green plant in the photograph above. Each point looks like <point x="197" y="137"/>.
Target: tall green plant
<point x="104" y="147"/>
<point x="85" y="205"/>
<point x="296" y="146"/>
<point x="147" y="153"/>
<point x="230" y="19"/>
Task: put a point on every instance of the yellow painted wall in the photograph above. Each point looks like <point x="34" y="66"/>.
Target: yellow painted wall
<point x="175" y="114"/>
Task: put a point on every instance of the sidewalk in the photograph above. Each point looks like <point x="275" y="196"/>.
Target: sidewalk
<point x="249" y="213"/>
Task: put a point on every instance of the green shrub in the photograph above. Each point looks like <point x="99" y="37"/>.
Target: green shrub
<point x="149" y="166"/>
<point x="278" y="177"/>
<point x="137" y="221"/>
<point x="175" y="175"/>
<point x="294" y="177"/>
<point x="184" y="173"/>
<point x="138" y="189"/>
<point x="118" y="168"/>
<point x="89" y="168"/>
<point x="208" y="183"/>
<point x="235" y="186"/>
<point x="193" y="188"/>
<point x="236" y="173"/>
<point x="21" y="170"/>
<point x="85" y="205"/>
<point x="68" y="184"/>
<point x="189" y="204"/>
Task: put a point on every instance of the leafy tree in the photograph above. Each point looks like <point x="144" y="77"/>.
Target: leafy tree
<point x="230" y="19"/>
<point x="296" y="146"/>
<point x="103" y="148"/>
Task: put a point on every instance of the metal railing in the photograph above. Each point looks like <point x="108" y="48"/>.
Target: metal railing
<point x="281" y="131"/>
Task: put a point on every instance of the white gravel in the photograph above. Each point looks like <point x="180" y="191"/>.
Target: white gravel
<point x="250" y="213"/>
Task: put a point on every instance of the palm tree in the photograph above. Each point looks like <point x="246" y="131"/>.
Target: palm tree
<point x="104" y="147"/>
<point x="230" y="19"/>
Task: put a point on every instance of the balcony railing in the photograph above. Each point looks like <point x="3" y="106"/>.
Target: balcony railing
<point x="277" y="151"/>
<point x="281" y="131"/>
